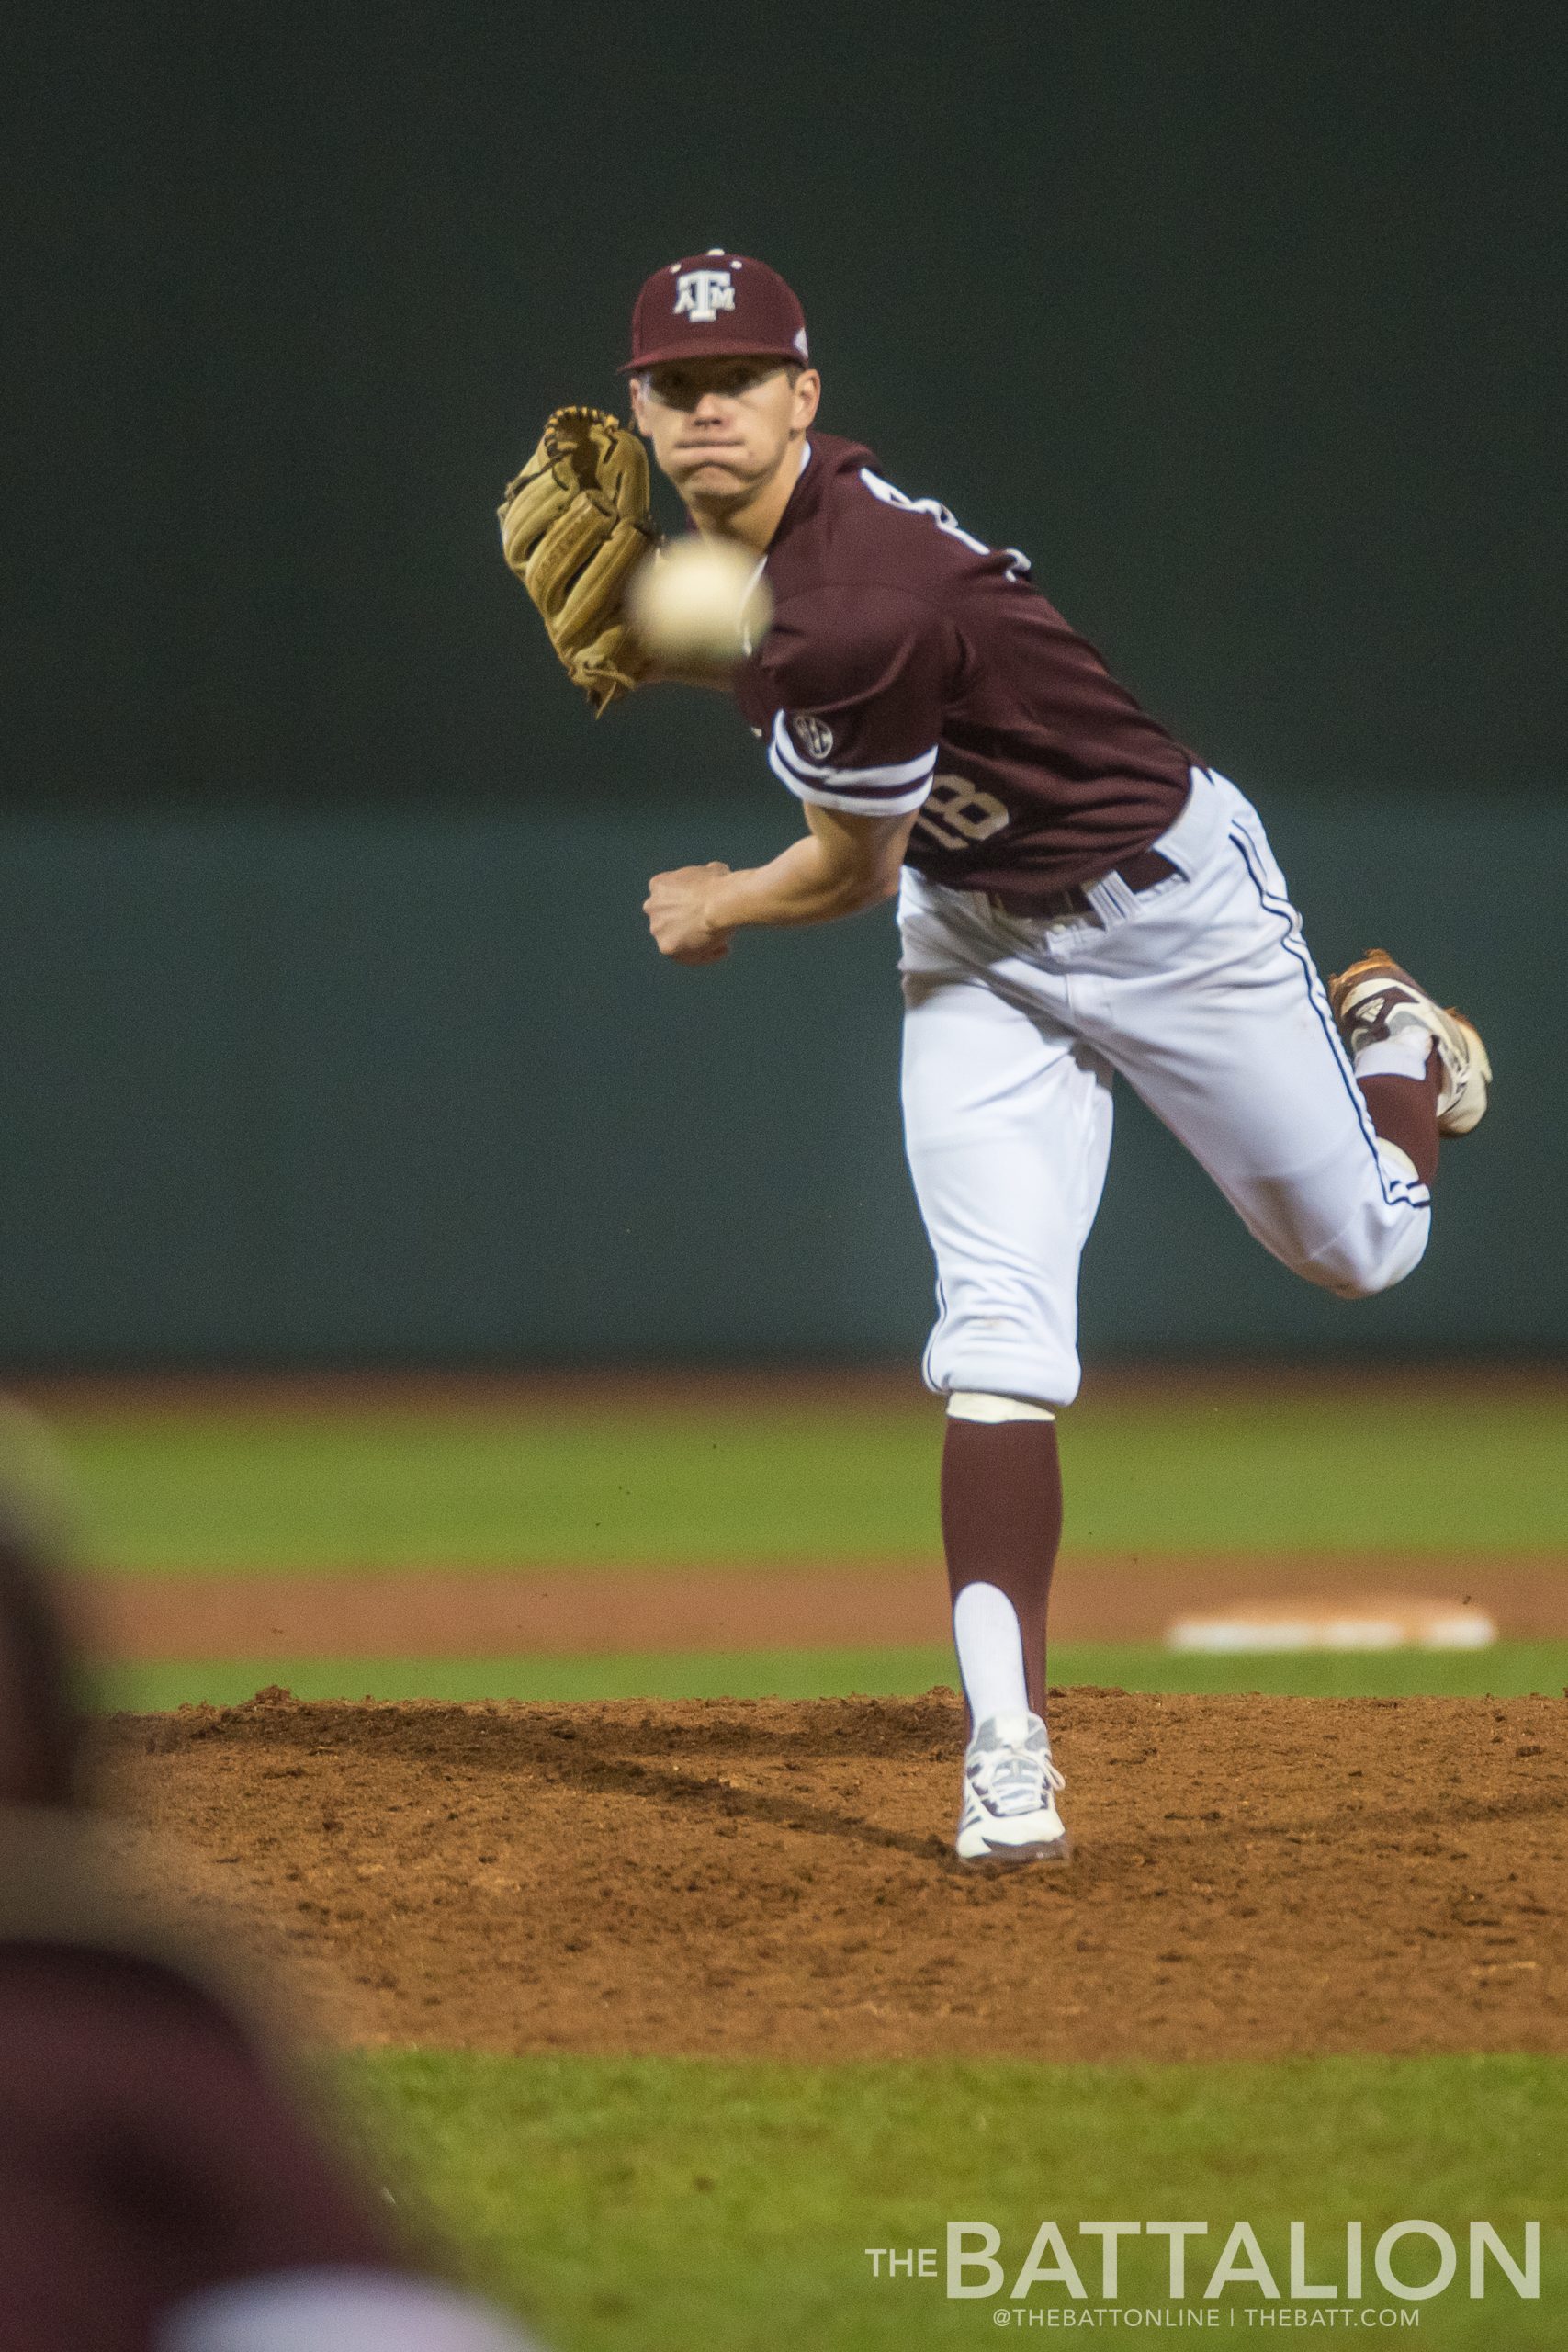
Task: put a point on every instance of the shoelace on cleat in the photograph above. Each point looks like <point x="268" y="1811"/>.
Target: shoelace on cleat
<point x="1017" y="1784"/>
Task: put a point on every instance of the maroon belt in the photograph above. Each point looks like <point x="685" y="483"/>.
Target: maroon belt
<point x="1140" y="871"/>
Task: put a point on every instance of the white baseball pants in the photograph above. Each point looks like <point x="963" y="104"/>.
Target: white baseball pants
<point x="1200" y="993"/>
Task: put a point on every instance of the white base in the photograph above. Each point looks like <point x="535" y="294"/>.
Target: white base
<point x="1378" y="1623"/>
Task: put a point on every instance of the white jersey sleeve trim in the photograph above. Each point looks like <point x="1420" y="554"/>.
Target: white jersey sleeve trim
<point x="858" y="800"/>
<point x="850" y="804"/>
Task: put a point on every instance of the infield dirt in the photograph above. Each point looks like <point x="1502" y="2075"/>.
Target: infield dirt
<point x="444" y="1613"/>
<point x="1254" y="1876"/>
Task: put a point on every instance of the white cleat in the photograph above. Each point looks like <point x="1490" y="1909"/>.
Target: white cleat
<point x="1010" y="1795"/>
<point x="1376" y="998"/>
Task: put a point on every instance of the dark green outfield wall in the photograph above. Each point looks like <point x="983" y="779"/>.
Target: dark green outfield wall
<point x="1246" y="321"/>
<point x="304" y="1087"/>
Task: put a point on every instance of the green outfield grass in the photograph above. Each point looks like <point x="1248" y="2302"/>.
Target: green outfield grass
<point x="1512" y="1669"/>
<point x="388" y="1486"/>
<point x="664" y="2204"/>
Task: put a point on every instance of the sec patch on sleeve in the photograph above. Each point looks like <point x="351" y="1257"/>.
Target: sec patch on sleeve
<point x="814" y="735"/>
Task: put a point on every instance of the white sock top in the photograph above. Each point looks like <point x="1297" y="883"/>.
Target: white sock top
<point x="989" y="1642"/>
<point x="974" y="1405"/>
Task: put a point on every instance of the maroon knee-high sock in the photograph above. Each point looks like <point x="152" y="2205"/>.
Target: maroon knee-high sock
<point x="1405" y="1110"/>
<point x="1001" y="1521"/>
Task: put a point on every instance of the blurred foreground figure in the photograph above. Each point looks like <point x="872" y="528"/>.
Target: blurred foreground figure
<point x="159" y="2192"/>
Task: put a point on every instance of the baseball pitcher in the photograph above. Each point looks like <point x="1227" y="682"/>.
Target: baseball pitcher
<point x="1079" y="898"/>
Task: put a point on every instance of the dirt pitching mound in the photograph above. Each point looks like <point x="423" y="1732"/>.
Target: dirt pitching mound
<point x="1252" y="1876"/>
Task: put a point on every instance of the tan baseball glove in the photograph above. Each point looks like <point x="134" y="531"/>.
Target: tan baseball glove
<point x="575" y="525"/>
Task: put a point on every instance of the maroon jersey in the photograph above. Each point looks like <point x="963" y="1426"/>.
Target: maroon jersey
<point x="147" y="2155"/>
<point x="910" y="666"/>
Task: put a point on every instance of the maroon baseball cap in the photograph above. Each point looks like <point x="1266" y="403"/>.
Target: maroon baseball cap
<point x="716" y="305"/>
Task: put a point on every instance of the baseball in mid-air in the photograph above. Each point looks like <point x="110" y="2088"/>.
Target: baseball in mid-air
<point x="701" y="600"/>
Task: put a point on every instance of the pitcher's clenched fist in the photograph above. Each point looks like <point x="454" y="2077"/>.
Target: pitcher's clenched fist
<point x="674" y="907"/>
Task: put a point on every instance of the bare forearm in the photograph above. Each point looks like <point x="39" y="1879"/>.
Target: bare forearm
<point x="843" y="865"/>
<point x="805" y="884"/>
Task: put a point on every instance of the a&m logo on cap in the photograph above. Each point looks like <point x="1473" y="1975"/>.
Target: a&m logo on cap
<point x="702" y="294"/>
<point x="720" y="302"/>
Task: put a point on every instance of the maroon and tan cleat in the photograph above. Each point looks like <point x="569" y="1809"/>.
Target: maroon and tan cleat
<point x="1375" y="998"/>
